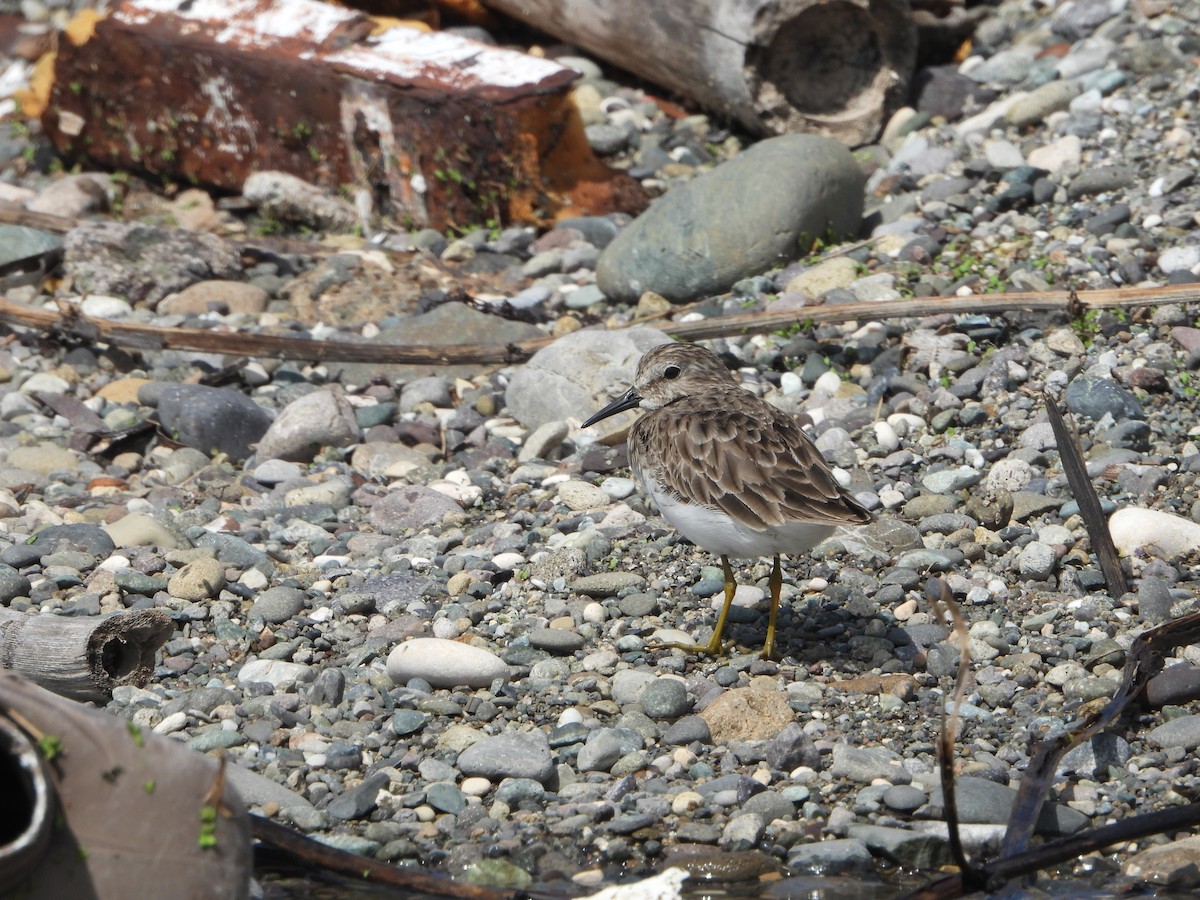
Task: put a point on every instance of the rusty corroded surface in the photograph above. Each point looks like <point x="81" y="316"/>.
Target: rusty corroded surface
<point x="442" y="130"/>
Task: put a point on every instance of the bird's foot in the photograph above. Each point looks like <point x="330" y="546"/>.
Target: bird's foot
<point x="712" y="648"/>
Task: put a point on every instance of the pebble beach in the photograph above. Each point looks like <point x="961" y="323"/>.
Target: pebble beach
<point x="417" y="606"/>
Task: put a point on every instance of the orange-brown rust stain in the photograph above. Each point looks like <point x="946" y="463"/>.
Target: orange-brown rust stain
<point x="177" y="101"/>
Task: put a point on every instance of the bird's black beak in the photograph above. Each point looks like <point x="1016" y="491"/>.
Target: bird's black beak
<point x="627" y="400"/>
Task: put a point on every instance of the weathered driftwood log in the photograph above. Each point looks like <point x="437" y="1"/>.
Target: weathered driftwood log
<point x="141" y="815"/>
<point x="83" y="658"/>
<point x="835" y="67"/>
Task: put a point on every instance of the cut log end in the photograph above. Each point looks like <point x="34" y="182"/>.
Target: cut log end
<point x="837" y="67"/>
<point x="83" y="658"/>
<point x="121" y="649"/>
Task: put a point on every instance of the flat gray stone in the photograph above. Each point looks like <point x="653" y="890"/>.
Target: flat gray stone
<point x="832" y="857"/>
<point x="444" y="663"/>
<point x="702" y="237"/>
<point x="511" y="755"/>
<point x="411" y="507"/>
<point x="911" y="849"/>
<point x="577" y="375"/>
<point x="865" y="764"/>
<point x="278" y="604"/>
<point x="320" y="419"/>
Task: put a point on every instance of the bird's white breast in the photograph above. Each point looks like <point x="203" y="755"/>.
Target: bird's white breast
<point x="720" y="533"/>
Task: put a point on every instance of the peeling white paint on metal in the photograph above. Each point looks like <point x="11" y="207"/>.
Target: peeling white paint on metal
<point x="70" y="124"/>
<point x="247" y="23"/>
<point x="404" y="54"/>
<point x="229" y="125"/>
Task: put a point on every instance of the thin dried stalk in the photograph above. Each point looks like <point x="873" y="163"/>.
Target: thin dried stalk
<point x="939" y="597"/>
<point x="1085" y="495"/>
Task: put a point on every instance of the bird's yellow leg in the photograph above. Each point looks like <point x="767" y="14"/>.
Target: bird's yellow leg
<point x="713" y="647"/>
<point x="776" y="585"/>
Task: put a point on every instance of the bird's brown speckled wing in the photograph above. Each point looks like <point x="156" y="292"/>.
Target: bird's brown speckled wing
<point x="732" y="451"/>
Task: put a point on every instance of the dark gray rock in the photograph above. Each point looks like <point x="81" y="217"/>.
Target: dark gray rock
<point x="910" y="849"/>
<point x="408" y="721"/>
<point x="232" y="550"/>
<point x="360" y="801"/>
<point x="792" y="748"/>
<point x="1174" y="685"/>
<point x="703" y="236"/>
<point x="769" y="805"/>
<point x="209" y="419"/>
<point x="278" y="604"/>
<point x="12" y="584"/>
<point x="90" y="539"/>
<point x="1099" y="179"/>
<point x="665" y="698"/>
<point x="687" y="730"/>
<point x="514" y="790"/>
<point x="905" y="798"/>
<point x="135" y="582"/>
<point x="1091" y="397"/>
<point x="18" y="242"/>
<point x="838" y="856"/>
<point x="445" y="797"/>
<point x="600" y="752"/>
<point x="328" y="688"/>
<point x="556" y="640"/>
<point x="1096" y="758"/>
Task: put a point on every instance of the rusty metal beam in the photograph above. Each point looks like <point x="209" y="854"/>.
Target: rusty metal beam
<point x="442" y="130"/>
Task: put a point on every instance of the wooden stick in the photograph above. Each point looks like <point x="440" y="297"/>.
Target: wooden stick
<point x="149" y="337"/>
<point x="83" y="658"/>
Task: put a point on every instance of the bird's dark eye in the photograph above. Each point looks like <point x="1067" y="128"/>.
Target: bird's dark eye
<point x="671" y="372"/>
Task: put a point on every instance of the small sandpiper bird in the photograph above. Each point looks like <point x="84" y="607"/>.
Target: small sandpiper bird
<point x="737" y="476"/>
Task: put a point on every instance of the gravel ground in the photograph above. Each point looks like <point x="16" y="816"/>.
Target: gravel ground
<point x="421" y="624"/>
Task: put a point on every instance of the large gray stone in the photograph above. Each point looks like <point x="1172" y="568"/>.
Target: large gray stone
<point x="323" y="418"/>
<point x="143" y="263"/>
<point x="577" y="375"/>
<point x="211" y="419"/>
<point x="762" y="208"/>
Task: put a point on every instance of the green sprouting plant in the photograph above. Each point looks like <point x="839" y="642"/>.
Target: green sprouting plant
<point x="208" y="827"/>
<point x="135" y="732"/>
<point x="149" y="786"/>
<point x="270" y="225"/>
<point x="51" y="746"/>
